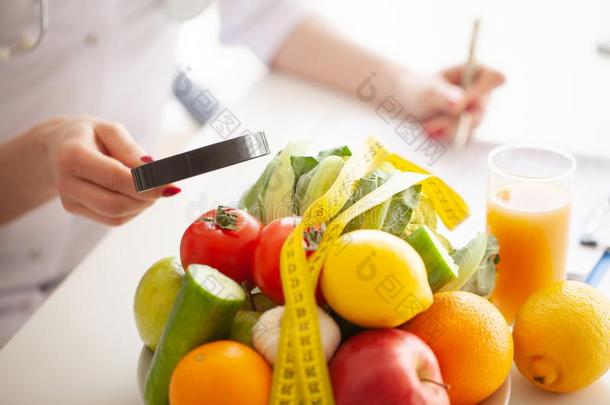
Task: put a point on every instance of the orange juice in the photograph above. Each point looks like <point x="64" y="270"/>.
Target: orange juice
<point x="531" y="222"/>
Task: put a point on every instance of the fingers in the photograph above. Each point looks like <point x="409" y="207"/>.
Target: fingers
<point x="77" y="208"/>
<point x="454" y="74"/>
<point x="89" y="164"/>
<point x="119" y="144"/>
<point x="486" y="80"/>
<point x="100" y="200"/>
<point x="451" y="97"/>
<point x="440" y="126"/>
<point x="444" y="126"/>
<point x="92" y="164"/>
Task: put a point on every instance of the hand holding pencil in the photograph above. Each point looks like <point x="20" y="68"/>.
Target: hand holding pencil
<point x="463" y="95"/>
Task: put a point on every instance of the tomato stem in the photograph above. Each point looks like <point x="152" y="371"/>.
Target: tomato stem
<point x="313" y="237"/>
<point x="224" y="218"/>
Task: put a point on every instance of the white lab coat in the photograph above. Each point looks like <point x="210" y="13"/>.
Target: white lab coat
<point x="113" y="59"/>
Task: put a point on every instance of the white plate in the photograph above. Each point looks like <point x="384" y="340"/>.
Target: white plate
<point x="500" y="397"/>
<point x="143" y="365"/>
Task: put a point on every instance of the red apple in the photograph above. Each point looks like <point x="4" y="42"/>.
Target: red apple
<point x="385" y="367"/>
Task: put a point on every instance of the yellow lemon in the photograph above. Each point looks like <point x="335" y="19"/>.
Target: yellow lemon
<point x="375" y="279"/>
<point x="562" y="336"/>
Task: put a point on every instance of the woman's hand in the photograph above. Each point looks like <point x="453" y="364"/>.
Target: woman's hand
<point x="90" y="161"/>
<point x="436" y="101"/>
<point x="316" y="51"/>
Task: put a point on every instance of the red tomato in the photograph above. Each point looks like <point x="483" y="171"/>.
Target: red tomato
<point x="266" y="260"/>
<point x="225" y="239"/>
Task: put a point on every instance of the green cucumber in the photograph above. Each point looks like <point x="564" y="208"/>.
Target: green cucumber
<point x="241" y="328"/>
<point x="439" y="264"/>
<point x="203" y="312"/>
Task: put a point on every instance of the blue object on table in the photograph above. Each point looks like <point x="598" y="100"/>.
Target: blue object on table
<point x="199" y="101"/>
<point x="600" y="269"/>
<point x="597" y="217"/>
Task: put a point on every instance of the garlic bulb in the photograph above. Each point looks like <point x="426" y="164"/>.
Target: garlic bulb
<point x="266" y="333"/>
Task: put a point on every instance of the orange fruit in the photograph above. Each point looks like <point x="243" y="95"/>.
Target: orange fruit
<point x="221" y="372"/>
<point x="471" y="341"/>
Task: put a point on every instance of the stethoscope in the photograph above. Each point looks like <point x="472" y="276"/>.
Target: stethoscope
<point x="180" y="10"/>
<point x="27" y="42"/>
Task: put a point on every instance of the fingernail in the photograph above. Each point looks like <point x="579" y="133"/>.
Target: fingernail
<point x="170" y="191"/>
<point x="437" y="133"/>
<point x="147" y="159"/>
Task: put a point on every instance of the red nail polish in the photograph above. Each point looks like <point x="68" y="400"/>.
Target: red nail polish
<point x="437" y="133"/>
<point x="170" y="191"/>
<point x="146" y="159"/>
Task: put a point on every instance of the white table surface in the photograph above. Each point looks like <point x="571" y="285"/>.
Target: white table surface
<point x="81" y="346"/>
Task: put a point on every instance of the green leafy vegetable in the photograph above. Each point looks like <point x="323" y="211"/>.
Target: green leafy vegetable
<point x="375" y="217"/>
<point x="302" y="165"/>
<point x="277" y="201"/>
<point x="394" y="214"/>
<point x="477" y="266"/>
<point x="468" y="260"/>
<point x="483" y="280"/>
<point x="342" y="151"/>
<point x="400" y="211"/>
<point x="316" y="182"/>
<point x="252" y="200"/>
<point x="271" y="195"/>
<point x="425" y="214"/>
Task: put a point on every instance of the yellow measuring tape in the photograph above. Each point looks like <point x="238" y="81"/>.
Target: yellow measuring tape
<point x="301" y="374"/>
<point x="446" y="202"/>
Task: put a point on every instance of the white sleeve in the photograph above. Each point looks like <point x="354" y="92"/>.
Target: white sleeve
<point x="261" y="25"/>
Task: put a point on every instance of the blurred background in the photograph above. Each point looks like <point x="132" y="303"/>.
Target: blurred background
<point x="558" y="87"/>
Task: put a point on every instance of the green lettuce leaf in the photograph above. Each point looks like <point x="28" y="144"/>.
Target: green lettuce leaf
<point x="341" y="151"/>
<point x="483" y="280"/>
<point x="375" y="217"/>
<point x="278" y="196"/>
<point x="468" y="260"/>
<point x="424" y="214"/>
<point x="400" y="211"/>
<point x="317" y="182"/>
<point x="477" y="266"/>
<point x="252" y="200"/>
<point x="302" y="165"/>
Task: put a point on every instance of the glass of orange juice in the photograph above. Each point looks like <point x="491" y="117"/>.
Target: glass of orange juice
<point x="528" y="209"/>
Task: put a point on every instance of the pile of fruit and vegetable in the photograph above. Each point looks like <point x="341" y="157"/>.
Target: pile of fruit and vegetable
<point x="332" y="283"/>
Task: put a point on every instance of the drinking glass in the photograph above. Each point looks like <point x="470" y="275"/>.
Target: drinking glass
<point x="529" y="198"/>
